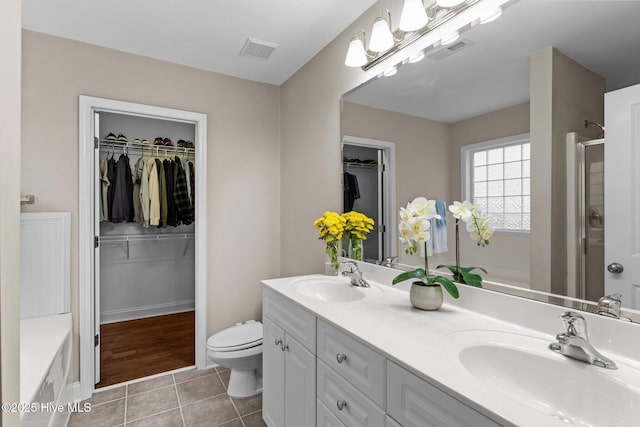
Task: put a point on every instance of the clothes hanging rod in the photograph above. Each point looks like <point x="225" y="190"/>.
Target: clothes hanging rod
<point x="360" y="165"/>
<point x="157" y="148"/>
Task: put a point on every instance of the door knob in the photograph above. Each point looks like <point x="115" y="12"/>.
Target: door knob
<point x="615" y="268"/>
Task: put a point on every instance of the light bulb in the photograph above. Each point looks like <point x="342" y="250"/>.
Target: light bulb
<point x="449" y="3"/>
<point x="390" y="72"/>
<point x="381" y="37"/>
<point x="413" y="16"/>
<point x="448" y="39"/>
<point x="356" y="54"/>
<point x="491" y="15"/>
<point x="416" y="58"/>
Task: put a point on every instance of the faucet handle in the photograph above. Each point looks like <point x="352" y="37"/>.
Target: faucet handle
<point x="353" y="267"/>
<point x="610" y="305"/>
<point x="575" y="324"/>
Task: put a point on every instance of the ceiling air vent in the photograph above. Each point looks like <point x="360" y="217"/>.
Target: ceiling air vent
<point x="444" y="51"/>
<point x="257" y="48"/>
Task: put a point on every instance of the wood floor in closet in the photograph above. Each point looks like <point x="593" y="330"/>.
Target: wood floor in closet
<point x="139" y="348"/>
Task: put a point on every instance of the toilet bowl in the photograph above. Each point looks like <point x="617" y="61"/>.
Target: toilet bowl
<point x="239" y="348"/>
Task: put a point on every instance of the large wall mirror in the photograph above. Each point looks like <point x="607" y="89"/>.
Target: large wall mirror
<point x="537" y="76"/>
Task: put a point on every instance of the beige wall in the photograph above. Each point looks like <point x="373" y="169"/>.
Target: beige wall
<point x="10" y="20"/>
<point x="243" y="164"/>
<point x="422" y="154"/>
<point x="563" y="95"/>
<point x="507" y="256"/>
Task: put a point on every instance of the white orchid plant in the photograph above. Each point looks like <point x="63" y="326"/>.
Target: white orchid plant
<point x="414" y="233"/>
<point x="479" y="230"/>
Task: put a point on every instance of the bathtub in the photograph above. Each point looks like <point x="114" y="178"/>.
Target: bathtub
<point x="45" y="355"/>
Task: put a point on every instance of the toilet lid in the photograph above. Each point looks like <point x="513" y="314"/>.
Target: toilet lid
<point x="237" y="337"/>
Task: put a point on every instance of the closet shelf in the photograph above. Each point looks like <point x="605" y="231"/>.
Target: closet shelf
<point x="153" y="148"/>
<point x="360" y="165"/>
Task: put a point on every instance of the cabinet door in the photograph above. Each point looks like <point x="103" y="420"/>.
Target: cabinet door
<point x="414" y="402"/>
<point x="300" y="385"/>
<point x="326" y="418"/>
<point x="273" y="374"/>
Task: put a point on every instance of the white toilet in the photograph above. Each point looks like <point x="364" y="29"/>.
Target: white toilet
<point x="239" y="348"/>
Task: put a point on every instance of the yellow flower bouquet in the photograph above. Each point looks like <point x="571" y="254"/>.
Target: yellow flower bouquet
<point x="357" y="227"/>
<point x="331" y="226"/>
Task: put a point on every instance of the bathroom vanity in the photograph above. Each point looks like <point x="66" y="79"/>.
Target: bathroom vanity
<point x="339" y="355"/>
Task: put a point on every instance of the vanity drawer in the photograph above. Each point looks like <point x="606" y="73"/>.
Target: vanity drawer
<point x="414" y="402"/>
<point x="326" y="417"/>
<point x="296" y="321"/>
<point x="335" y="393"/>
<point x="357" y="363"/>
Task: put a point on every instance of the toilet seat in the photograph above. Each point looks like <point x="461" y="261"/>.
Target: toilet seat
<point x="242" y="336"/>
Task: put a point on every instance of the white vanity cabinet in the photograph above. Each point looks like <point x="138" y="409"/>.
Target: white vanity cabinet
<point x="289" y="364"/>
<point x="413" y="402"/>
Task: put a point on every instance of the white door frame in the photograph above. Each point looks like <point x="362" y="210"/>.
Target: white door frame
<point x="87" y="106"/>
<point x="391" y="247"/>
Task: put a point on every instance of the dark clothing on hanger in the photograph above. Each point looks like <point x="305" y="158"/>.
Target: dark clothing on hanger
<point x="192" y="178"/>
<point x="351" y="191"/>
<point x="172" y="215"/>
<point x="122" y="206"/>
<point x="163" y="193"/>
<point x="111" y="175"/>
<point x="181" y="195"/>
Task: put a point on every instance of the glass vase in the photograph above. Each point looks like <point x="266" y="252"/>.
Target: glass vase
<point x="356" y="249"/>
<point x="331" y="259"/>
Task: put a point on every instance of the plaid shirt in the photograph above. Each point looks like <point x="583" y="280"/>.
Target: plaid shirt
<point x="181" y="196"/>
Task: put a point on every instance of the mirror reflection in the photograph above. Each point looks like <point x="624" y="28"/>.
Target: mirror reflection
<point x="510" y="116"/>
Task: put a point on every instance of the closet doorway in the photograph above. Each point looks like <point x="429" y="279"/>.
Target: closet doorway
<point x="142" y="266"/>
<point x="369" y="188"/>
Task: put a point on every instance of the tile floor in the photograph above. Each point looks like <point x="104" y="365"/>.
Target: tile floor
<point x="183" y="399"/>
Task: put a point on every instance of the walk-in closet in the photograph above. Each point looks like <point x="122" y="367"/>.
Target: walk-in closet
<point x="145" y="207"/>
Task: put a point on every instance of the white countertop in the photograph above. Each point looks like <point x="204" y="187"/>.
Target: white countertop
<point x="411" y="337"/>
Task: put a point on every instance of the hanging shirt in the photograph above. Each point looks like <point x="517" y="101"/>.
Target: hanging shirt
<point x="192" y="178"/>
<point x="172" y="217"/>
<point x="163" y="193"/>
<point x="185" y="168"/>
<point x="111" y="175"/>
<point x="122" y="205"/>
<point x="154" y="193"/>
<point x="181" y="195"/>
<point x="104" y="188"/>
<point x="136" y="177"/>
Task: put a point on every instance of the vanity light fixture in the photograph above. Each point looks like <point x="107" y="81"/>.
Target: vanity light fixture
<point x="491" y="16"/>
<point x="381" y="36"/>
<point x="450" y="38"/>
<point x="414" y="16"/>
<point x="416" y="22"/>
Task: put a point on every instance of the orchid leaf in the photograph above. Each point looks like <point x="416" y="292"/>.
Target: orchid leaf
<point x="448" y="285"/>
<point x="418" y="274"/>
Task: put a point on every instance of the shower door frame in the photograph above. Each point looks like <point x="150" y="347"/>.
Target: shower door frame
<point x="577" y="213"/>
<point x="87" y="106"/>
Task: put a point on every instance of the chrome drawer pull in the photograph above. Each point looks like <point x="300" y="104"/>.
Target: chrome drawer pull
<point x="279" y="342"/>
<point x="341" y="404"/>
<point x="341" y="357"/>
<point x="285" y="347"/>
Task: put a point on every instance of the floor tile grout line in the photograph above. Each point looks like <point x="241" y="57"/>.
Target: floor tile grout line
<point x="175" y="386"/>
<point x="193" y="379"/>
<point x="126" y="399"/>
<point x="151" y="415"/>
<point x="237" y="412"/>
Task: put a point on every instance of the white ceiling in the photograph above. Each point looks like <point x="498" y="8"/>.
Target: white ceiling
<point x="493" y="73"/>
<point x="204" y="34"/>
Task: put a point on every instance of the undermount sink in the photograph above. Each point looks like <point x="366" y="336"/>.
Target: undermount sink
<point x="330" y="288"/>
<point x="523" y="368"/>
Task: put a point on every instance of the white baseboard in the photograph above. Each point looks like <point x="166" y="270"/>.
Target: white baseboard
<point x="146" y="311"/>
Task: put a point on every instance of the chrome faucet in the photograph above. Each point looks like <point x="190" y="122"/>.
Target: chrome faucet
<point x="388" y="262"/>
<point x="354" y="274"/>
<point x="574" y="343"/>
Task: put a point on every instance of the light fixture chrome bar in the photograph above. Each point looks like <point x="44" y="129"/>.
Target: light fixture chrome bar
<point x="419" y="34"/>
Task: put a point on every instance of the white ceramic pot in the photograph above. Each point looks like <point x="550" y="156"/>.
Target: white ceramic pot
<point x="426" y="297"/>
